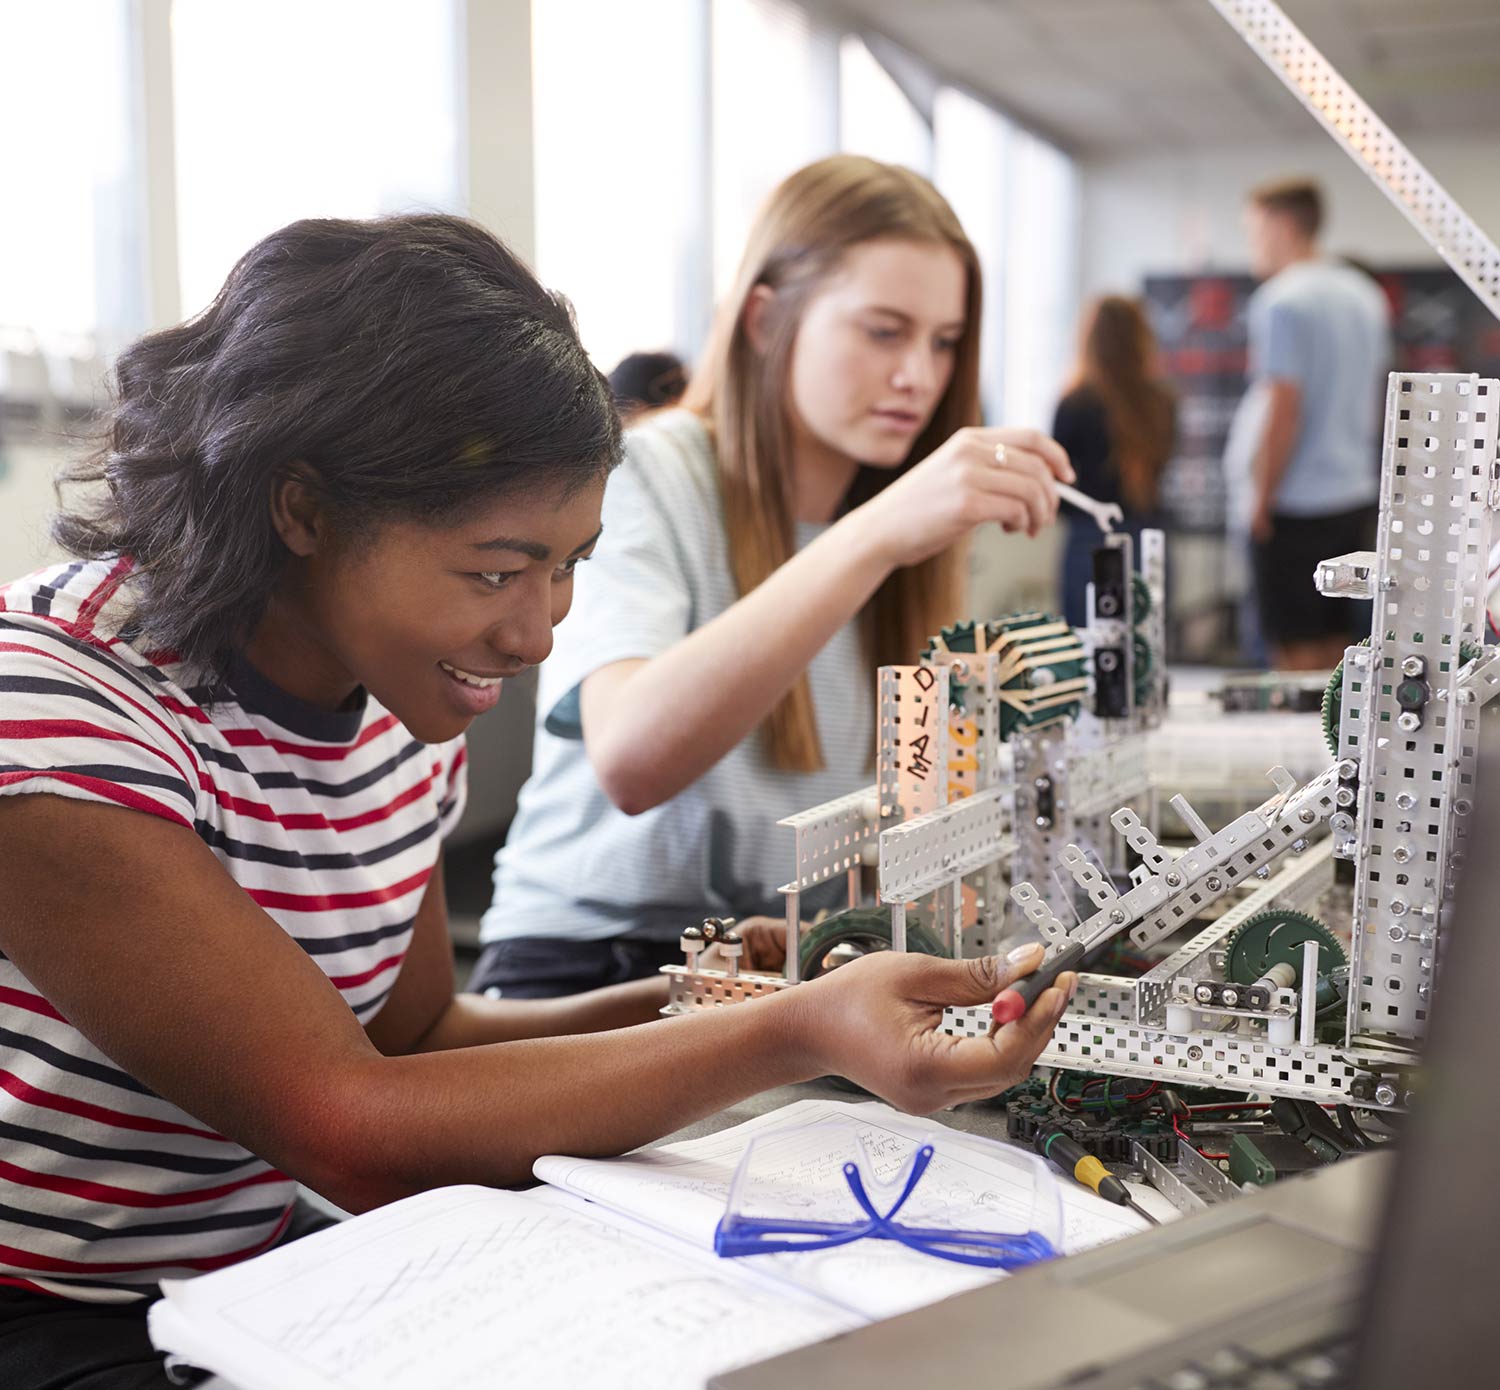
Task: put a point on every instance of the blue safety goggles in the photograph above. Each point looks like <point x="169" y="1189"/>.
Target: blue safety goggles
<point x="768" y="1223"/>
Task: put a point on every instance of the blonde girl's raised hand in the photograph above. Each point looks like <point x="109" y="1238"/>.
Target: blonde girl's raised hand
<point x="1003" y="474"/>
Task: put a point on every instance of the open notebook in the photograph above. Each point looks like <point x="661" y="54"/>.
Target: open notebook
<point x="606" y="1277"/>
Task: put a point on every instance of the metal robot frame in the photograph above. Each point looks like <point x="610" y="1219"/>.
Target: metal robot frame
<point x="949" y="815"/>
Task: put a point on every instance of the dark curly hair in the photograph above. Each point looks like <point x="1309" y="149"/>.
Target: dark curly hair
<point x="407" y="366"/>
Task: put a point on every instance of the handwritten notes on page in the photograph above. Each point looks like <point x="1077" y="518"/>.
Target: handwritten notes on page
<point x="468" y="1287"/>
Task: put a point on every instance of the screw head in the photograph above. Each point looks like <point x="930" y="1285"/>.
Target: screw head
<point x="1174" y="879"/>
<point x="1231" y="998"/>
<point x="1307" y="815"/>
<point x="1402" y="854"/>
<point x="1204" y="994"/>
<point x="1195" y="1053"/>
<point x="1405" y="800"/>
<point x="1385" y="1094"/>
<point x="1214" y="883"/>
<point x="1117" y="915"/>
<point x="1397" y="934"/>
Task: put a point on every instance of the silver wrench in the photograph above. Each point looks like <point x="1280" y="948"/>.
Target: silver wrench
<point x="1107" y="514"/>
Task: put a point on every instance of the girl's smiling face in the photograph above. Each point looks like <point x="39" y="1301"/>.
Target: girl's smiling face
<point x="428" y="618"/>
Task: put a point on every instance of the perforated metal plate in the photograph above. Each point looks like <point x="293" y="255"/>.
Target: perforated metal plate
<point x="925" y="853"/>
<point x="1320" y="1073"/>
<point x="912" y="749"/>
<point x="830" y="838"/>
<point x="1043" y="773"/>
<point x="690" y="990"/>
<point x="1416" y="784"/>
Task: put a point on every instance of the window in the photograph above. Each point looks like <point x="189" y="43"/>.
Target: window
<point x="72" y="274"/>
<point x="621" y="196"/>
<point x="876" y="117"/>
<point x="775" y="108"/>
<point x="971" y="159"/>
<point x="344" y="108"/>
<point x="1041" y="301"/>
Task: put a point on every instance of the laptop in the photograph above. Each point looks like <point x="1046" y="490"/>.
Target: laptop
<point x="1376" y="1272"/>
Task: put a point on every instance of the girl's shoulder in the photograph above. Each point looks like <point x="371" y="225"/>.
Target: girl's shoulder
<point x="672" y="438"/>
<point x="670" y="458"/>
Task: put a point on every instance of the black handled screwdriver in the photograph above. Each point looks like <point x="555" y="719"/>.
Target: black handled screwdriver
<point x="1014" y="1000"/>
<point x="1072" y="1157"/>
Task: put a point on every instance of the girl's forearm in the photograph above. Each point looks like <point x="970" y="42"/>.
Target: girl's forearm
<point x="667" y="722"/>
<point x="474" y="1021"/>
<point x="485" y="1114"/>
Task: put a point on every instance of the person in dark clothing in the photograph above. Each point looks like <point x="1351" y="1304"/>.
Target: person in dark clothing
<point x="1118" y="422"/>
<point x="647" y="381"/>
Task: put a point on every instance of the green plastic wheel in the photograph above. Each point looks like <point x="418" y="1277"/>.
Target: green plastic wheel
<point x="1275" y="937"/>
<point x="966" y="637"/>
<point x="864" y="929"/>
<point x="1140" y="596"/>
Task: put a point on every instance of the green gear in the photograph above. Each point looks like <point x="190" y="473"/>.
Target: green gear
<point x="1141" y="654"/>
<point x="1275" y="937"/>
<point x="1140" y="595"/>
<point x="866" y="929"/>
<point x="966" y="636"/>
<point x="1333" y="693"/>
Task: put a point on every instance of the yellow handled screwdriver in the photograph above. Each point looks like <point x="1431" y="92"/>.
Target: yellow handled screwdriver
<point x="1072" y="1157"/>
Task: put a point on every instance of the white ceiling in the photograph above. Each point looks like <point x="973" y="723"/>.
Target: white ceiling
<point x="1114" y="77"/>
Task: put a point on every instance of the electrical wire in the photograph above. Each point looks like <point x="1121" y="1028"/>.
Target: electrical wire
<point x="1177" y="1129"/>
<point x="1108" y="1102"/>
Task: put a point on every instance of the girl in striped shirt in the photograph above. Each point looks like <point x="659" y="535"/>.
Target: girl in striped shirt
<point x="331" y="514"/>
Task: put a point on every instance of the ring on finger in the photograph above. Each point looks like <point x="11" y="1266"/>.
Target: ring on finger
<point x="1000" y="456"/>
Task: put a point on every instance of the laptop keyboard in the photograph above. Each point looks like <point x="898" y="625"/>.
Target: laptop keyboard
<point x="1319" y="1365"/>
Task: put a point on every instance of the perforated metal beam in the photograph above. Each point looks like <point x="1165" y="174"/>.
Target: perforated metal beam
<point x="1349" y="119"/>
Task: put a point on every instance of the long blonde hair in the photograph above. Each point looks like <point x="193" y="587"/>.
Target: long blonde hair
<point x="799" y="238"/>
<point x="1117" y="358"/>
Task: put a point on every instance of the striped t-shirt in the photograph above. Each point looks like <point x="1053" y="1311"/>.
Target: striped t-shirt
<point x="330" y="821"/>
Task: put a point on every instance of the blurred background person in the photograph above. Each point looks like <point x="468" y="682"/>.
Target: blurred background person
<point x="1117" y="421"/>
<point x="1302" y="460"/>
<point x="647" y="381"/>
